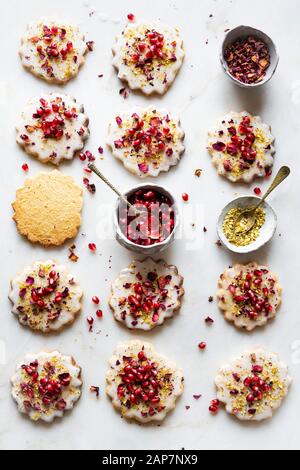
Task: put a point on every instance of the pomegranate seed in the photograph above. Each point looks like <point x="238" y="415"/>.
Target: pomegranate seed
<point x="141" y="355"/>
<point x="82" y="156"/>
<point x="87" y="169"/>
<point x="92" y="246"/>
<point x="185" y="197"/>
<point x="215" y="402"/>
<point x="95" y="299"/>
<point x="202" y="345"/>
<point x="25" y="167"/>
<point x="257" y="191"/>
<point x="119" y="121"/>
<point x="99" y="313"/>
<point x="131" y="16"/>
<point x="100" y="150"/>
<point x="213" y="409"/>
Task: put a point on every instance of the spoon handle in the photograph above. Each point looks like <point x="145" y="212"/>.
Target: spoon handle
<point x="283" y="172"/>
<point x="98" y="173"/>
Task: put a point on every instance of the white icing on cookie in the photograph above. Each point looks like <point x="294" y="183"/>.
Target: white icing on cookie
<point x="52" y="127"/>
<point x="249" y="295"/>
<point x="253" y="385"/>
<point x="146" y="293"/>
<point x="147" y="140"/>
<point x="143" y="384"/>
<point x="45" y="296"/>
<point x="46" y="384"/>
<point x="241" y="147"/>
<point x="52" y="50"/>
<point x="148" y="56"/>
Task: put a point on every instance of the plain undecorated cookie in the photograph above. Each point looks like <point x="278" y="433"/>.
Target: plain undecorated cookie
<point x="148" y="56"/>
<point x="52" y="127"/>
<point x="47" y="208"/>
<point x="241" y="146"/>
<point x="46" y="385"/>
<point x="249" y="295"/>
<point x="253" y="385"/>
<point x="151" y="391"/>
<point x="53" y="50"/>
<point x="146" y="140"/>
<point x="146" y="293"/>
<point x="45" y="296"/>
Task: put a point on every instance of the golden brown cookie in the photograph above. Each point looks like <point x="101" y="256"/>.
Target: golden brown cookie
<point x="47" y="208"/>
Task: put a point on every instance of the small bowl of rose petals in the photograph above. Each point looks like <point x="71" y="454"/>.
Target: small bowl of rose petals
<point x="248" y="56"/>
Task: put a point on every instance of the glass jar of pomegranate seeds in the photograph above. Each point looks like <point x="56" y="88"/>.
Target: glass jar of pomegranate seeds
<point x="147" y="224"/>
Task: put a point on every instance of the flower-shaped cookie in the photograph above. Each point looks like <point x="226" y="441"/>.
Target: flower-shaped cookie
<point x="142" y="384"/>
<point x="241" y="147"/>
<point x="45" y="385"/>
<point x="148" y="56"/>
<point x="146" y="140"/>
<point x="45" y="296"/>
<point x="249" y="295"/>
<point x="52" y="127"/>
<point x="52" y="50"/>
<point x="253" y="385"/>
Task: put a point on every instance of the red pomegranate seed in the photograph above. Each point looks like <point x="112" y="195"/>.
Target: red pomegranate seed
<point x="82" y="156"/>
<point x="99" y="313"/>
<point x="118" y="120"/>
<point x="185" y="197"/>
<point x="92" y="246"/>
<point x="202" y="345"/>
<point x="90" y="320"/>
<point x="131" y="16"/>
<point x="100" y="150"/>
<point x="95" y="299"/>
<point x="87" y="170"/>
<point x="257" y="191"/>
<point x="25" y="167"/>
<point x="213" y="409"/>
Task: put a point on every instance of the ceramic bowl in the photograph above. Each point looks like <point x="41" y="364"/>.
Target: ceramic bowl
<point x="266" y="232"/>
<point x="151" y="249"/>
<point x="242" y="32"/>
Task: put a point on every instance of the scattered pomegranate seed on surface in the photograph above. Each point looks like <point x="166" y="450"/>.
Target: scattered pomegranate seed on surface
<point x="82" y="156"/>
<point x="257" y="191"/>
<point x="95" y="299"/>
<point x="214" y="406"/>
<point x="92" y="246"/>
<point x="100" y="150"/>
<point x="90" y="321"/>
<point x="87" y="170"/>
<point x="25" y="167"/>
<point x="131" y="16"/>
<point x="99" y="313"/>
<point x="185" y="197"/>
<point x="119" y="121"/>
<point x="202" y="345"/>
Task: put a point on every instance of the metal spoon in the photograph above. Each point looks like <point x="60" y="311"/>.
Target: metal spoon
<point x="121" y="196"/>
<point x="247" y="216"/>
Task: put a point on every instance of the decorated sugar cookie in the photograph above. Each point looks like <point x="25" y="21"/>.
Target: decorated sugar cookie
<point x="45" y="296"/>
<point x="147" y="141"/>
<point x="52" y="127"/>
<point x="47" y="208"/>
<point x="146" y="293"/>
<point x="46" y="385"/>
<point x="52" y="50"/>
<point x="148" y="56"/>
<point x="241" y="147"/>
<point x="142" y="384"/>
<point x="253" y="385"/>
<point x="249" y="295"/>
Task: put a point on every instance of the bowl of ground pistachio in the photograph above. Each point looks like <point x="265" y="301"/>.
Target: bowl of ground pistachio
<point x="237" y="238"/>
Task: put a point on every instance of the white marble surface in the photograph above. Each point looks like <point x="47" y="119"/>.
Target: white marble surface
<point x="200" y="94"/>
